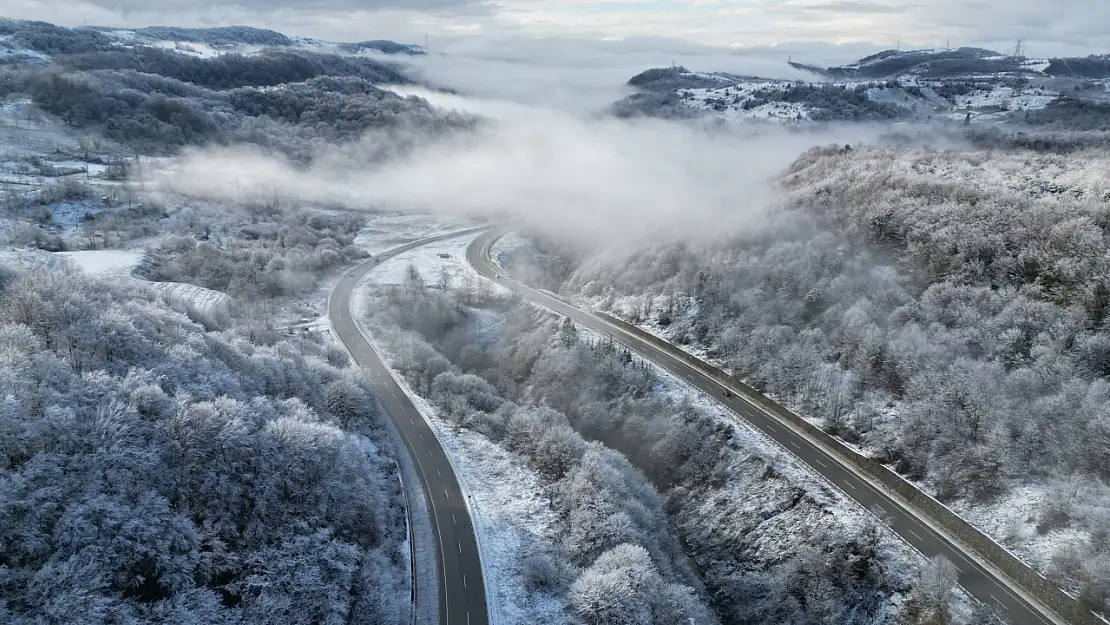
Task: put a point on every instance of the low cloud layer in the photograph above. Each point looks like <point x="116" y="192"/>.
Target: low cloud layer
<point x="604" y="181"/>
<point x="585" y="75"/>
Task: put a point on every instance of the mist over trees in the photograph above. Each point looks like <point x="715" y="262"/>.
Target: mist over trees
<point x="945" y="310"/>
<point x="152" y="471"/>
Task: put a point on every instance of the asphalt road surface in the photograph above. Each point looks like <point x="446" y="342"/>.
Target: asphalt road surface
<point x="462" y="596"/>
<point x="984" y="584"/>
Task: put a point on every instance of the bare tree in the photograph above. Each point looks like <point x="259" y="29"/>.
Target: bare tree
<point x="443" y="282"/>
<point x="935" y="589"/>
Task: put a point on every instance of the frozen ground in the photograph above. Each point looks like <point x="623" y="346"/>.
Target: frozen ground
<point x="513" y="516"/>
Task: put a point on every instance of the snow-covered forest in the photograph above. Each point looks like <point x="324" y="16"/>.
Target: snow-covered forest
<point x="153" y="471"/>
<point x="163" y="459"/>
<point x="633" y="474"/>
<point x="180" y="442"/>
<point x="947" y="311"/>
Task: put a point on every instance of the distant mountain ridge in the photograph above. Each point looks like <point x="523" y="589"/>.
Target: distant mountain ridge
<point x="956" y="62"/>
<point x="963" y="85"/>
<point x="48" y="39"/>
<point x="222" y="36"/>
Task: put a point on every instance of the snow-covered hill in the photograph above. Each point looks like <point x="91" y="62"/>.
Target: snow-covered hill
<point x="920" y="92"/>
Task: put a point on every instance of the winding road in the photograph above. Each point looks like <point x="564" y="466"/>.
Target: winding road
<point x="462" y="596"/>
<point x="978" y="577"/>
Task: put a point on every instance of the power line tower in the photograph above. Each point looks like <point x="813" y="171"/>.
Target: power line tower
<point x="1019" y="50"/>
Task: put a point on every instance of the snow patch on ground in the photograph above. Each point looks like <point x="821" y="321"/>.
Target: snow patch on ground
<point x="386" y="231"/>
<point x="202" y="50"/>
<point x="117" y="266"/>
<point x="1013" y="520"/>
<point x="435" y="261"/>
<point x="105" y="264"/>
<point x="1006" y="98"/>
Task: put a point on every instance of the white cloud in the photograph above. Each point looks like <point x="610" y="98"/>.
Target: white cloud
<point x="601" y="180"/>
<point x="586" y="75"/>
<point x="1064" y="26"/>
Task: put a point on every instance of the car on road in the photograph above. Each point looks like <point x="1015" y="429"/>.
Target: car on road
<point x="728" y="393"/>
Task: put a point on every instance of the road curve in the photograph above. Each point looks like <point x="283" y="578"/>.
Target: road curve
<point x="981" y="580"/>
<point x="462" y="595"/>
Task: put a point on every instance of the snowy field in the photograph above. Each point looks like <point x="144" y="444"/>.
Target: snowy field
<point x="1007" y="97"/>
<point x="388" y="230"/>
<point x="435" y="261"/>
<point x="512" y="514"/>
<point x="117" y="266"/>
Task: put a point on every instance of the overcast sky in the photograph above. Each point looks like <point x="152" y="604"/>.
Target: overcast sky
<point x="1050" y="27"/>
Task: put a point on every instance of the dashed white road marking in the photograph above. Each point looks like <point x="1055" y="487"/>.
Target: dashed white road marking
<point x="915" y="534"/>
<point x="818" y="461"/>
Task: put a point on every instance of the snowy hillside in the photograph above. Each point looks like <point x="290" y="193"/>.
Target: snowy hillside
<point x="954" y="96"/>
